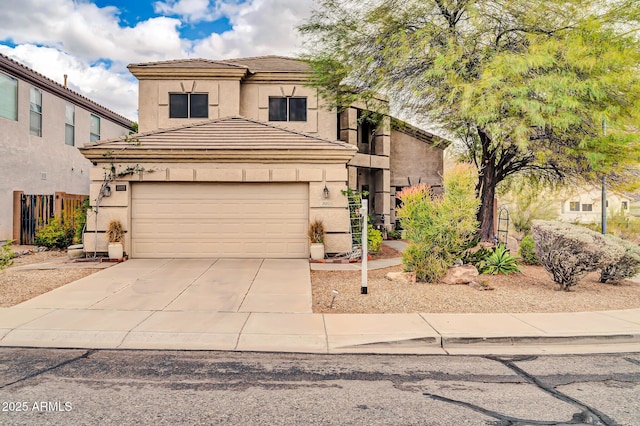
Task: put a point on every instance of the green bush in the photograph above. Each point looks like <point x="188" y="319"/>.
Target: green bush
<point x="568" y="252"/>
<point x="439" y="227"/>
<point x="81" y="219"/>
<point x="394" y="234"/>
<point x="55" y="235"/>
<point x="374" y="239"/>
<point x="626" y="267"/>
<point x="475" y="256"/>
<point x="6" y="255"/>
<point x="527" y="251"/>
<point x="499" y="261"/>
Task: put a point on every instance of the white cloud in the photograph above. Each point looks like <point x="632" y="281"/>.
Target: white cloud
<point x="93" y="46"/>
<point x="117" y="91"/>
<point x="259" y="27"/>
<point x="90" y="32"/>
<point x="190" y="10"/>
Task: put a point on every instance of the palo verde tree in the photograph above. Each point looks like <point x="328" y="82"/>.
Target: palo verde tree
<point x="527" y="85"/>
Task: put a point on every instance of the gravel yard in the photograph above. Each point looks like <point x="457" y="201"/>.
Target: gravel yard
<point x="532" y="291"/>
<point x="18" y="284"/>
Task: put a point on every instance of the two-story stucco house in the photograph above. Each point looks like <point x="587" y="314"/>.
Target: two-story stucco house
<point x="42" y="124"/>
<point x="235" y="157"/>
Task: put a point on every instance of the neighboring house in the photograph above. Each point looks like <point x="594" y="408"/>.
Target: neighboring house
<point x="41" y="125"/>
<point x="240" y="155"/>
<point x="584" y="205"/>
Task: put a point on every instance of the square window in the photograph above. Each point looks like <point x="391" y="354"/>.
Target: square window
<point x="574" y="206"/>
<point x="297" y="109"/>
<point x="188" y="105"/>
<point x="277" y="109"/>
<point x="287" y="109"/>
<point x="587" y="207"/>
<point x="8" y="97"/>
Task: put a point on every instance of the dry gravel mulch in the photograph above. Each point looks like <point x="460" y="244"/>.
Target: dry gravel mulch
<point x="18" y="285"/>
<point x="531" y="291"/>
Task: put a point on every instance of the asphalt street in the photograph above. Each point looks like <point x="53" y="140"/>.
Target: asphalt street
<point x="97" y="387"/>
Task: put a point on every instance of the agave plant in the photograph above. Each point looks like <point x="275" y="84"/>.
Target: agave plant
<point x="499" y="261"/>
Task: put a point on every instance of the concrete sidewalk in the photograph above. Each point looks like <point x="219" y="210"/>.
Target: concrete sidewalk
<point x="265" y="305"/>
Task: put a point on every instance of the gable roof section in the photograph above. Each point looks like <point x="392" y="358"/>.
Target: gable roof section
<point x="231" y="139"/>
<point x="259" y="68"/>
<point x="21" y="72"/>
<point x="421" y="135"/>
<point x="188" y="68"/>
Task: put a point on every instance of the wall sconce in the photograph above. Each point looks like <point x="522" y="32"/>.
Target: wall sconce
<point x="106" y="191"/>
<point x="325" y="192"/>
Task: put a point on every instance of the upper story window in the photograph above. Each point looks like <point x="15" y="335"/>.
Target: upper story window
<point x="287" y="109"/>
<point x="574" y="206"/>
<point x="188" y="105"/>
<point x="35" y="112"/>
<point x="70" y="125"/>
<point x="8" y="97"/>
<point x="95" y="128"/>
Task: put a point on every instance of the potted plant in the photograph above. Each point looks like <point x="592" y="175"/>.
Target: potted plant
<point x="316" y="238"/>
<point x="115" y="236"/>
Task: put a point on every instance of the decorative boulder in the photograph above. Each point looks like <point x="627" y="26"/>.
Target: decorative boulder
<point x="407" y="277"/>
<point x="461" y="275"/>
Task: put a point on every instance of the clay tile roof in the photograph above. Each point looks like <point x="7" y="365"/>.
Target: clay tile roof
<point x="224" y="134"/>
<point x="187" y="63"/>
<point x="271" y="63"/>
<point x="23" y="72"/>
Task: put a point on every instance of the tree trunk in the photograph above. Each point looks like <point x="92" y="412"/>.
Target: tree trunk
<point x="486" y="212"/>
<point x="486" y="187"/>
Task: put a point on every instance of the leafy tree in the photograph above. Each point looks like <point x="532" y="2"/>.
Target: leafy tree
<point x="527" y="85"/>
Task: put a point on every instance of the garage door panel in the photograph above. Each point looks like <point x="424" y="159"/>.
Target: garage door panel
<point x="219" y="220"/>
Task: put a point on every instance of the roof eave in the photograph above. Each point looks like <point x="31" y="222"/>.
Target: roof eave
<point x="321" y="155"/>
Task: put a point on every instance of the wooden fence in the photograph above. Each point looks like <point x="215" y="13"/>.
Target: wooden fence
<point x="33" y="211"/>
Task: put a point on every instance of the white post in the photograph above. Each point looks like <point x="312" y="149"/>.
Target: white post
<point x="365" y="252"/>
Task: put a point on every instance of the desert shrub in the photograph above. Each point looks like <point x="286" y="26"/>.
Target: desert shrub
<point x="527" y="251"/>
<point x="429" y="266"/>
<point x="475" y="255"/>
<point x="55" y="234"/>
<point x="6" y="255"/>
<point x="568" y="252"/>
<point x="80" y="217"/>
<point x="374" y="239"/>
<point x="439" y="227"/>
<point x="316" y="232"/>
<point x="115" y="232"/>
<point x="621" y="225"/>
<point x="499" y="261"/>
<point x="626" y="267"/>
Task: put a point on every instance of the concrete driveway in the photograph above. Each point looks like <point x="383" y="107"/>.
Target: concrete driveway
<point x="220" y="285"/>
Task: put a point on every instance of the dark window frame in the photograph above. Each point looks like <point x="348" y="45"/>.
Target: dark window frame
<point x="196" y="104"/>
<point x="287" y="110"/>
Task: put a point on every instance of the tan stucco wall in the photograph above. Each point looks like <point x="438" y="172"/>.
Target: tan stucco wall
<point x="153" y="101"/>
<point x="332" y="211"/>
<point x="254" y="104"/>
<point x="24" y="157"/>
<point x="412" y="158"/>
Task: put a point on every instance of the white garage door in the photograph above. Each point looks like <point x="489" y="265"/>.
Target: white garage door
<point x="219" y="220"/>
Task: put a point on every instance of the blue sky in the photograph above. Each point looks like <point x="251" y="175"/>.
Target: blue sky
<point x="93" y="40"/>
